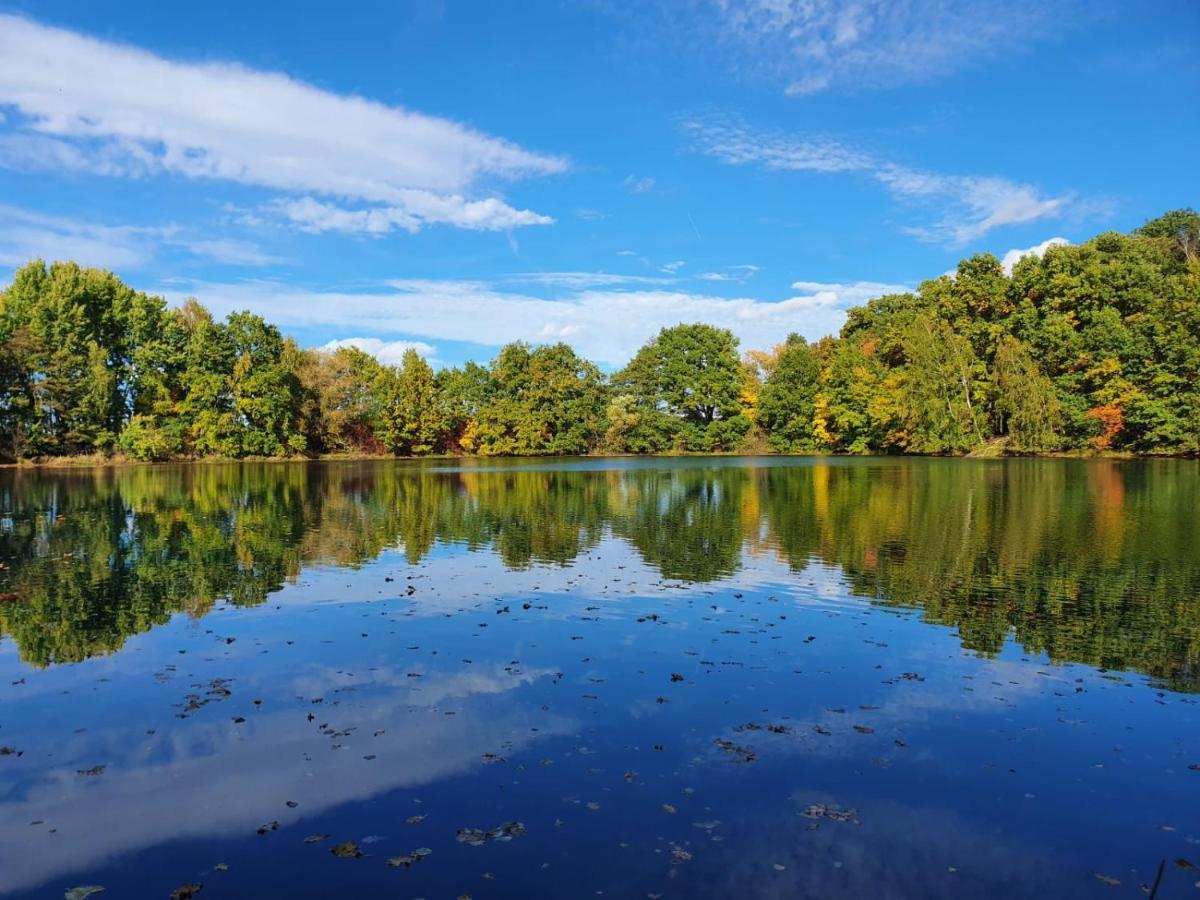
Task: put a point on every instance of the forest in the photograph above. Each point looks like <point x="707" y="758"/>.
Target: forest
<point x="1090" y="348"/>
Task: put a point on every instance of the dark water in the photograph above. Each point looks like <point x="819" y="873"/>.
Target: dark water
<point x="699" y="678"/>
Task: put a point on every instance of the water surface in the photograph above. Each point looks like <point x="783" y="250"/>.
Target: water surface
<point x="682" y="678"/>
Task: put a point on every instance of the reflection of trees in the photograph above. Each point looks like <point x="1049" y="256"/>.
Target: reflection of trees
<point x="685" y="522"/>
<point x="1093" y="562"/>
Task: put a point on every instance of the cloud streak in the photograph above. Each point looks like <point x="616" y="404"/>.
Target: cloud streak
<point x="87" y="105"/>
<point x="819" y="45"/>
<point x="604" y="324"/>
<point x="956" y="209"/>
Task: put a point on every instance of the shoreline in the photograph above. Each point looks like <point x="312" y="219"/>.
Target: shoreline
<point x="97" y="461"/>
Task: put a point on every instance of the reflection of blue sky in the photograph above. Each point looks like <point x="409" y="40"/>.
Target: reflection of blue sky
<point x="381" y="661"/>
<point x="229" y="778"/>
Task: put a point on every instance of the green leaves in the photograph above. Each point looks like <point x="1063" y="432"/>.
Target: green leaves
<point x="686" y="386"/>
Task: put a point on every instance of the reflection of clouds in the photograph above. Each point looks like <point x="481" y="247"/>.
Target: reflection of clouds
<point x="224" y="779"/>
<point x="897" y="852"/>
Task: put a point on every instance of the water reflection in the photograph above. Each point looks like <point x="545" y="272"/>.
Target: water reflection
<point x="664" y="664"/>
<point x="1095" y="562"/>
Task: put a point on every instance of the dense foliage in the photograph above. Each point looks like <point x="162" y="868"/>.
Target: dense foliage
<point x="1094" y="346"/>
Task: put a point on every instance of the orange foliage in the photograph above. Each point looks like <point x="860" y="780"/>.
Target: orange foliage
<point x="1112" y="418"/>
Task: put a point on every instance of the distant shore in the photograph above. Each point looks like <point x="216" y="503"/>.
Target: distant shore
<point x="96" y="461"/>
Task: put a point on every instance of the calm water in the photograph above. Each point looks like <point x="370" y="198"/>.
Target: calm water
<point x="698" y="678"/>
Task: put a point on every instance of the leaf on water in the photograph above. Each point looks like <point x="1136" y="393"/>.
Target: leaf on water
<point x="93" y="771"/>
<point x="416" y="856"/>
<point x="831" y="811"/>
<point x="863" y="729"/>
<point x="316" y="838"/>
<point x="187" y="891"/>
<point x="477" y="837"/>
<point x="267" y="826"/>
<point x="1108" y="879"/>
<point x="346" y="850"/>
<point x="667" y="807"/>
<point x="83" y="892"/>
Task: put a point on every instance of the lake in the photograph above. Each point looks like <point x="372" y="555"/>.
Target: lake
<point x="706" y="677"/>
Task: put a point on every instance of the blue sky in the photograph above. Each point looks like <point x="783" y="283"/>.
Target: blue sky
<point x="458" y="175"/>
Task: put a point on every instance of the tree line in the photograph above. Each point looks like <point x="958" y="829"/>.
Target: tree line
<point x="1064" y="556"/>
<point x="1093" y="346"/>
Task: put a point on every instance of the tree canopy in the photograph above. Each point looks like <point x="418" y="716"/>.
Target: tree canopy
<point x="1094" y="346"/>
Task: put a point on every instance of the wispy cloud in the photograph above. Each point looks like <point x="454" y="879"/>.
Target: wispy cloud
<point x="25" y="235"/>
<point x="636" y="185"/>
<point x="816" y="45"/>
<point x="604" y="324"/>
<point x="231" y="252"/>
<point x="90" y="105"/>
<point x="730" y="273"/>
<point x="578" y="280"/>
<point x="417" y="209"/>
<point x="957" y="209"/>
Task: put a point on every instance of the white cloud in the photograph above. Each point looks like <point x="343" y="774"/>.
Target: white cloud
<point x="25" y="235"/>
<point x="577" y="280"/>
<point x="390" y="353"/>
<point x="418" y="208"/>
<point x="672" y="267"/>
<point x="112" y="109"/>
<point x="971" y="206"/>
<point x="605" y="325"/>
<point x="957" y="209"/>
<point x="816" y="45"/>
<point x="636" y="185"/>
<point x="231" y="252"/>
<point x="731" y="273"/>
<point x="1012" y="257"/>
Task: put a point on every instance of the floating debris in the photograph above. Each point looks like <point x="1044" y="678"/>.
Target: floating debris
<point x="416" y="856"/>
<point x="267" y="826"/>
<point x="745" y="754"/>
<point x="316" y="838"/>
<point x="187" y="891"/>
<point x="831" y="811"/>
<point x="83" y="892"/>
<point x="93" y="771"/>
<point x="346" y="850"/>
<point x="477" y="837"/>
<point x="679" y="855"/>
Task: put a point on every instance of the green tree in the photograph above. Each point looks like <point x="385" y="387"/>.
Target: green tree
<point x="1026" y="404"/>
<point x="410" y="420"/>
<point x="787" y="401"/>
<point x="686" y="383"/>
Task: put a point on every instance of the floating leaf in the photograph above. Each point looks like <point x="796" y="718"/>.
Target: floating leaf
<point x="477" y="837"/>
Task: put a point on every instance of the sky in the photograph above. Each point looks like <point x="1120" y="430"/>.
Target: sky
<point x="454" y="176"/>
